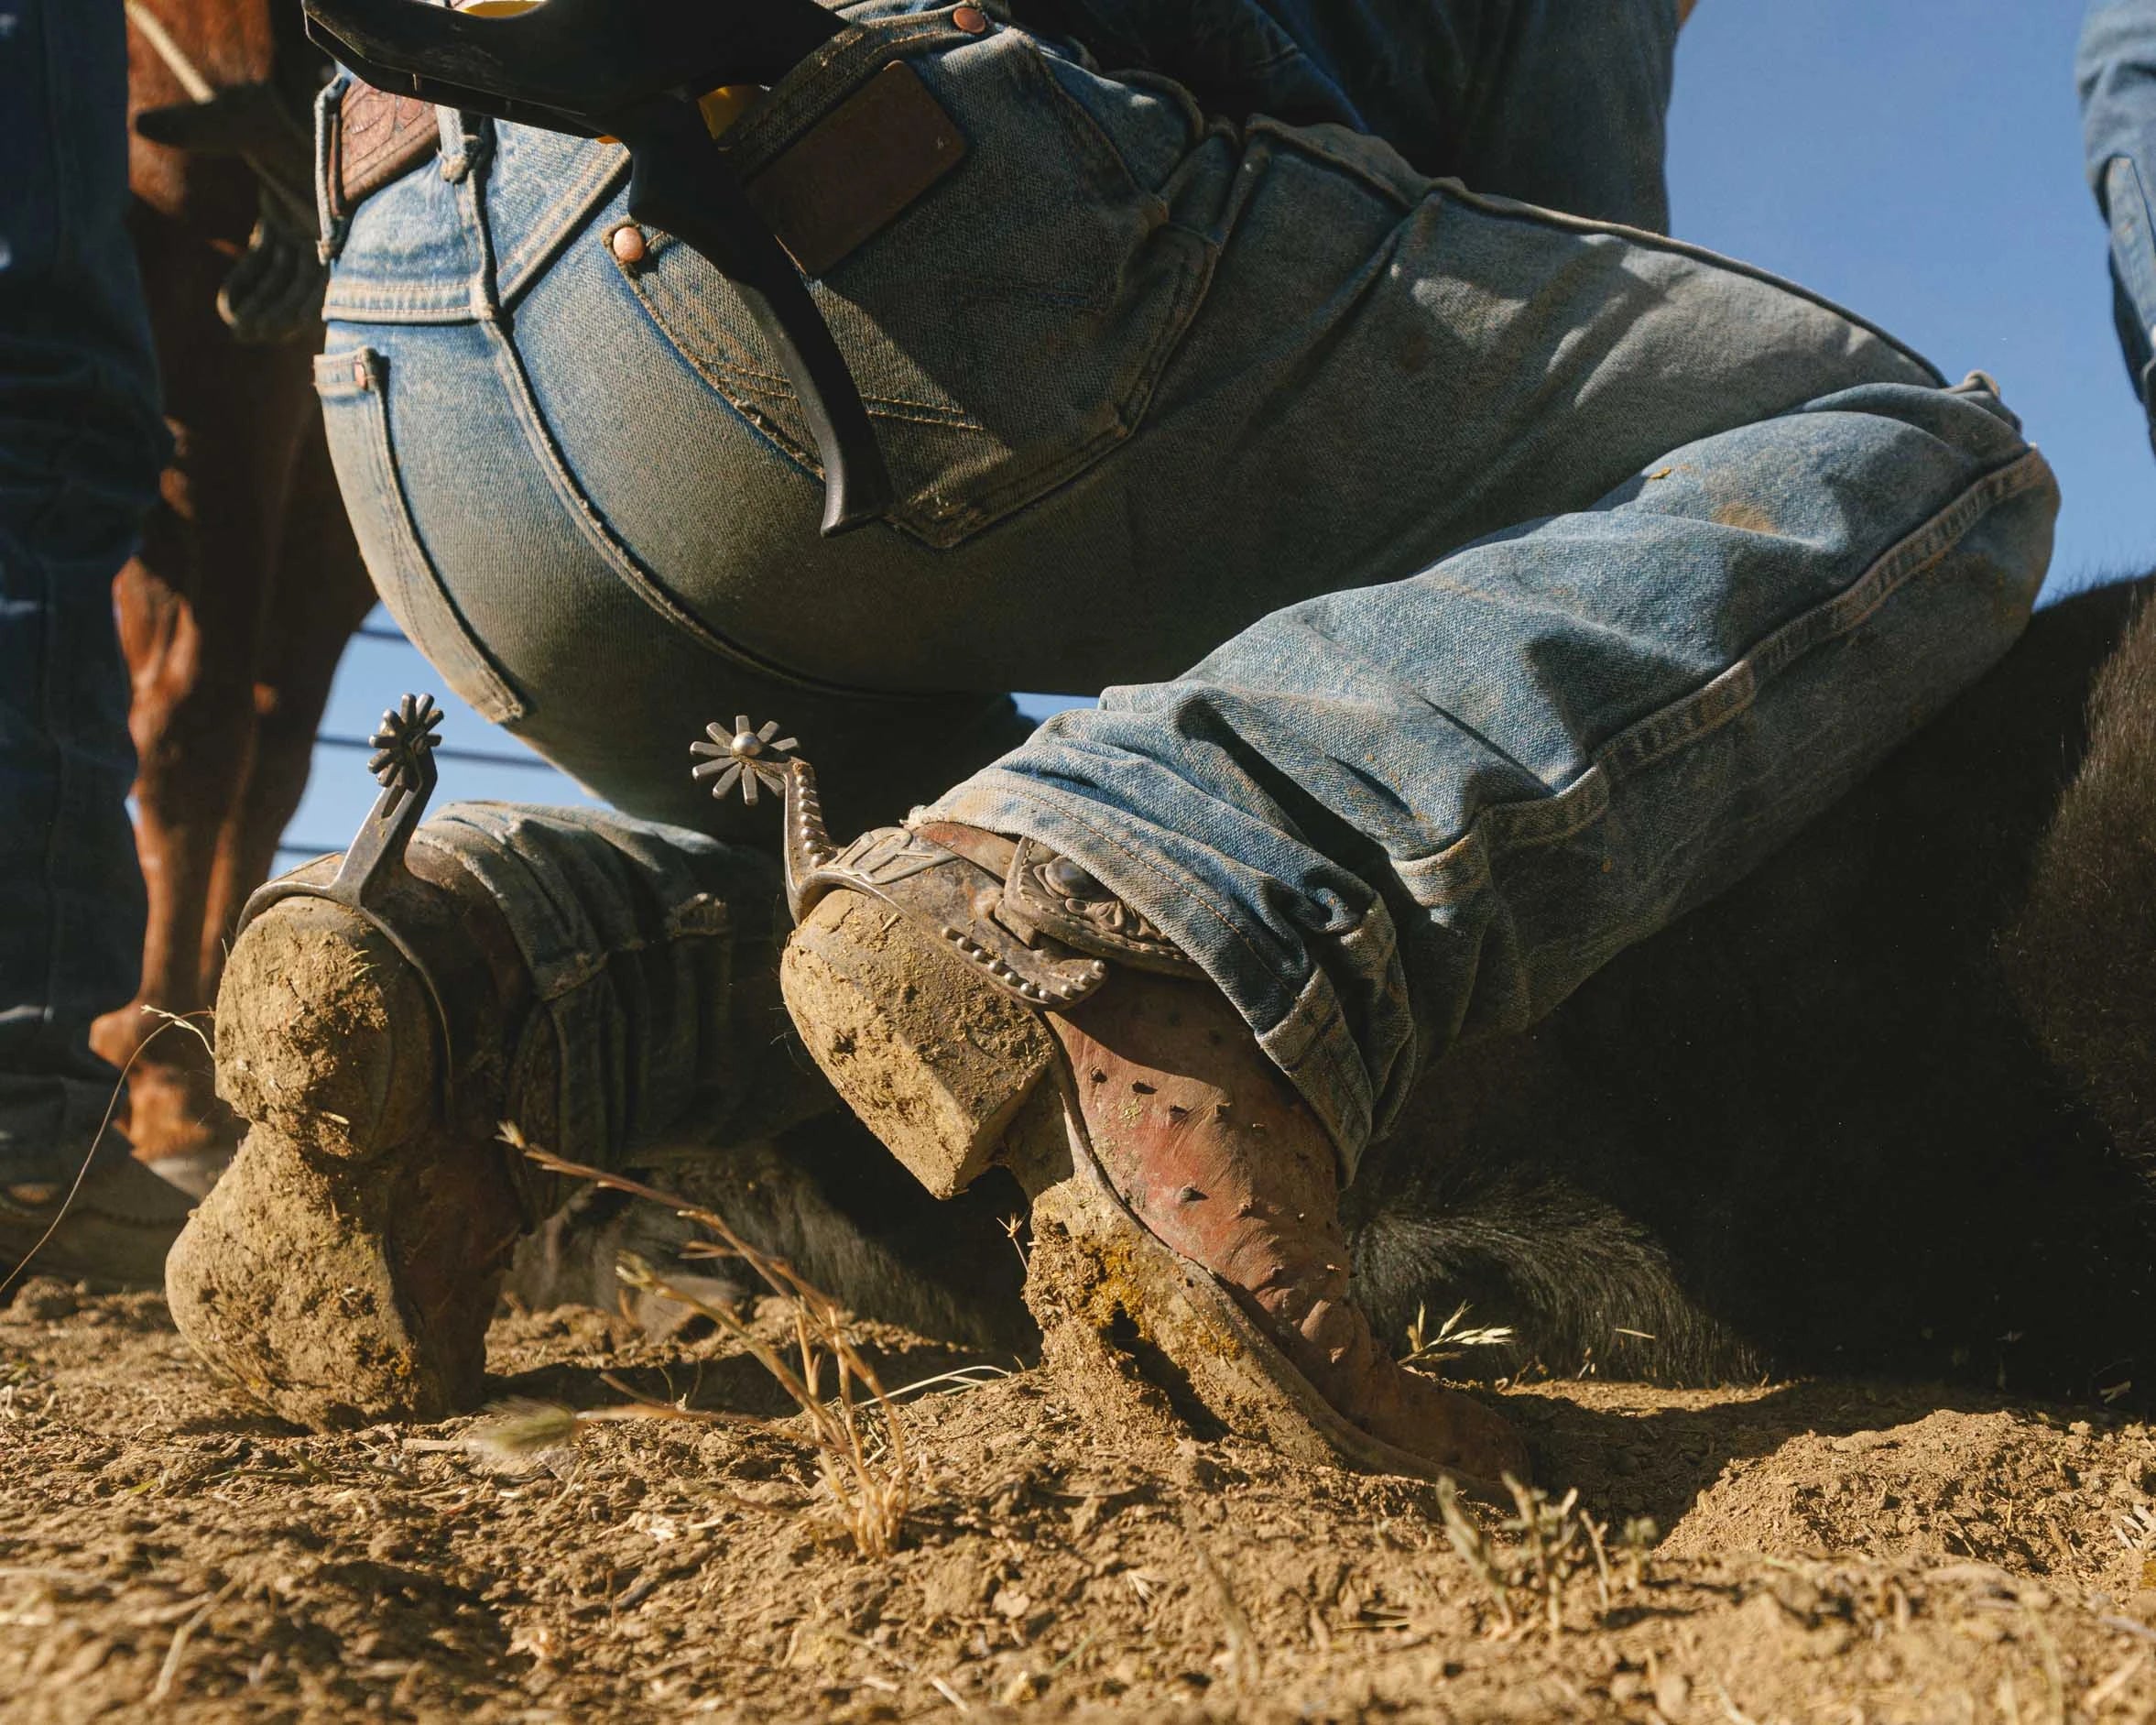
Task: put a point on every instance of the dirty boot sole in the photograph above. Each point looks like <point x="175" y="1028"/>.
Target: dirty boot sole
<point x="1110" y="1294"/>
<point x="286" y="1279"/>
<point x="344" y="1268"/>
<point x="954" y="1077"/>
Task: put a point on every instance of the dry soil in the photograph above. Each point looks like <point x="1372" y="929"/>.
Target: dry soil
<point x="1825" y="1551"/>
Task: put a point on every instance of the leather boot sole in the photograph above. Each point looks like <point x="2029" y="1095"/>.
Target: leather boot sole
<point x="954" y="1077"/>
<point x="344" y="1269"/>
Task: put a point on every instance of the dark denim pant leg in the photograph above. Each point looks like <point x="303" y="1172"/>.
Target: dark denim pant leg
<point x="80" y="446"/>
<point x="653" y="956"/>
<point x="2117" y="76"/>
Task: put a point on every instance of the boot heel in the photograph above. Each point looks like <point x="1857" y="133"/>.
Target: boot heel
<point x="935" y="1063"/>
<point x="344" y="1269"/>
<point x="325" y="1032"/>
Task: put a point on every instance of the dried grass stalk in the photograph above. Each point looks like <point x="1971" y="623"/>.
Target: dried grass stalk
<point x="858" y="1434"/>
<point x="1551" y="1543"/>
<point x="1451" y="1339"/>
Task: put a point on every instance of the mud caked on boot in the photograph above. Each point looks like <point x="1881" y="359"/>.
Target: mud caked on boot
<point x="576" y="972"/>
<point x="979" y="999"/>
<point x="344" y="1268"/>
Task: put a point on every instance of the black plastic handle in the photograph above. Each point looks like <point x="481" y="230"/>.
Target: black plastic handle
<point x="631" y="70"/>
<point x="682" y="181"/>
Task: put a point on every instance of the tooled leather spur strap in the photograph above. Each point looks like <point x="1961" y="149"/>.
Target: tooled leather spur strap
<point x="378" y="138"/>
<point x="1048" y="893"/>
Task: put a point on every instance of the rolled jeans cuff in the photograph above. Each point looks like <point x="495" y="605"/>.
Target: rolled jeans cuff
<point x="1299" y="1022"/>
<point x="635" y="936"/>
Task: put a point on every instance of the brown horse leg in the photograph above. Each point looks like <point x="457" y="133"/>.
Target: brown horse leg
<point x="318" y="594"/>
<point x="176" y="809"/>
<point x="158" y="638"/>
<point x="239" y="413"/>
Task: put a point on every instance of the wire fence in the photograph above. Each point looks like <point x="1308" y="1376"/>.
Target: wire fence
<point x="338" y="794"/>
<point x="480" y="757"/>
<point x="347" y="742"/>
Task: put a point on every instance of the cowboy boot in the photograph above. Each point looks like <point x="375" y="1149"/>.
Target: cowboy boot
<point x="383" y="1013"/>
<point x="980" y="1000"/>
<point x="371" y="1032"/>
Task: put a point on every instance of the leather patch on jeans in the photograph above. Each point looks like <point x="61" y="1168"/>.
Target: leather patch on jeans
<point x="857" y="169"/>
<point x="378" y="137"/>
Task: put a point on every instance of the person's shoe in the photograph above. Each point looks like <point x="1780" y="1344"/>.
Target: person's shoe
<point x="370" y="1031"/>
<point x="344" y="1269"/>
<point x="978" y="1000"/>
<point x="115" y="1229"/>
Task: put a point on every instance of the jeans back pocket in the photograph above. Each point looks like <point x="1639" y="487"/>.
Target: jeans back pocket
<point x="1006" y="328"/>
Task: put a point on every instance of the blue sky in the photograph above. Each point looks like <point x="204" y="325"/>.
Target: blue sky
<point x="1918" y="159"/>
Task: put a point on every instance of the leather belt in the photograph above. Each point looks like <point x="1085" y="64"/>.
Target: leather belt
<point x="849" y="174"/>
<point x="378" y="138"/>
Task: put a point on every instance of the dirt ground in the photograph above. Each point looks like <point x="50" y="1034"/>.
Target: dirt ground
<point x="1827" y="1551"/>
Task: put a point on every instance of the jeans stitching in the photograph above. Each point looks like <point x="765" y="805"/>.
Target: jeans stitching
<point x="1338" y="1087"/>
<point x="1183" y="888"/>
<point x="619" y="559"/>
<point x="892" y="407"/>
<point x="754" y="392"/>
<point x="1311" y="141"/>
<point x="353" y="301"/>
<point x="415" y="573"/>
<point x="1500" y="829"/>
<point x="556" y="225"/>
<point x="1650" y="240"/>
<point x="889" y="407"/>
<point x="1128" y="407"/>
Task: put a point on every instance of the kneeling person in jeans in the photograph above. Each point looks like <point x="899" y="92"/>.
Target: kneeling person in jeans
<point x="1478" y="579"/>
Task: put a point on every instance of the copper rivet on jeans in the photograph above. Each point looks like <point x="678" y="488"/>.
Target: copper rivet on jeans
<point x="359" y="372"/>
<point x="971" y="19"/>
<point x="628" y="243"/>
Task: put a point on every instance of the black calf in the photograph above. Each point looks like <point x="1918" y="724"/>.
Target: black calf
<point x="1808" y="1127"/>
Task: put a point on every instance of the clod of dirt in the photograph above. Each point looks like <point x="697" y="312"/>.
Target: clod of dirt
<point x="45" y="1297"/>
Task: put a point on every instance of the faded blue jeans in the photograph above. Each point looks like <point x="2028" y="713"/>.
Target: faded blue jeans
<point x="1483" y="587"/>
<point x="80" y="446"/>
<point x="2115" y="74"/>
